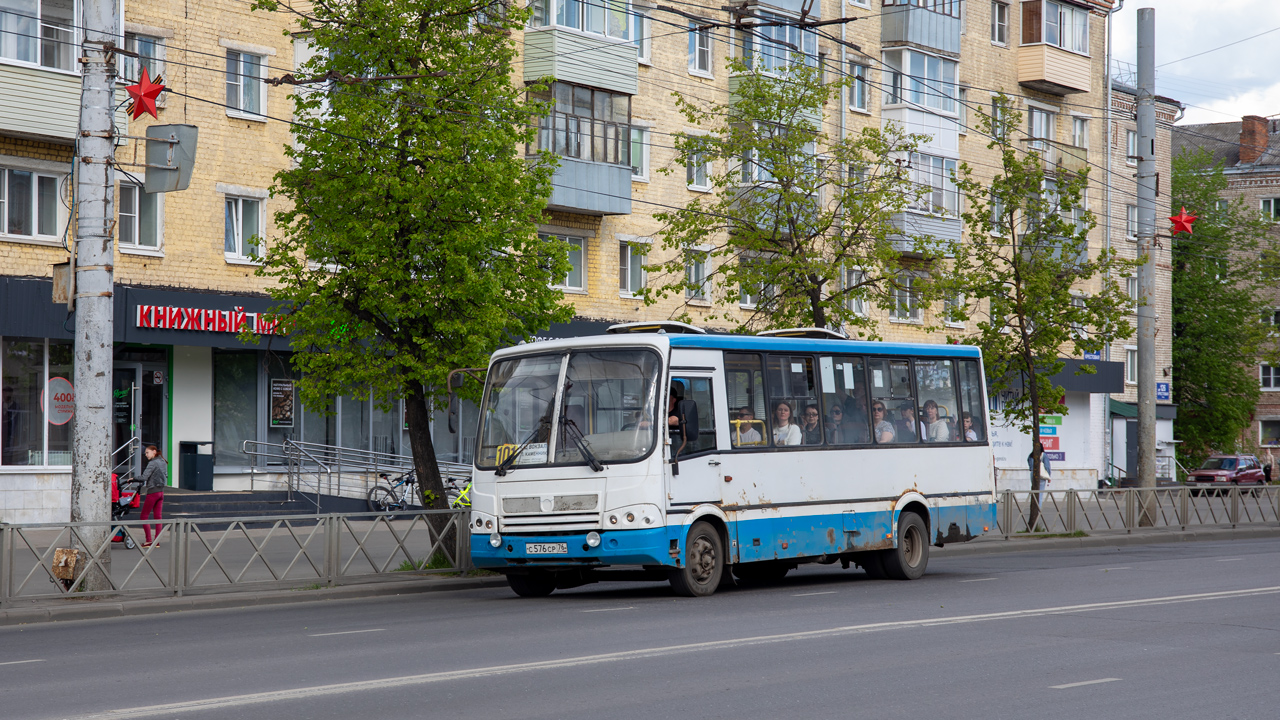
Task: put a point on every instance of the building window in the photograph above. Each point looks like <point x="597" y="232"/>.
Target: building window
<point x="962" y="107"/>
<point x="1131" y="366"/>
<point x="605" y="17"/>
<point x="1000" y="23"/>
<point x="695" y="274"/>
<point x="641" y="38"/>
<point x="139" y="224"/>
<point x="853" y="302"/>
<point x="919" y="79"/>
<point x="631" y="261"/>
<point x="906" y="301"/>
<point x="28" y="204"/>
<point x="769" y="48"/>
<point x="700" y="56"/>
<point x="33" y="432"/>
<point x="860" y="3"/>
<point x="39" y="32"/>
<point x="575" y="279"/>
<point x="858" y="90"/>
<point x="1040" y="128"/>
<point x="1270" y="376"/>
<point x="1131" y="147"/>
<point x="243" y="229"/>
<point x="1270" y="209"/>
<point x="245" y="89"/>
<point x="1131" y="289"/>
<point x="1269" y="432"/>
<point x="639" y="154"/>
<point x="936" y="176"/>
<point x="150" y="52"/>
<point x="235" y="405"/>
<point x="1079" y="132"/>
<point x="586" y="124"/>
<point x="1131" y="222"/>
<point x="698" y="173"/>
<point x="951" y="305"/>
<point x="942" y="7"/>
<point x="1057" y="24"/>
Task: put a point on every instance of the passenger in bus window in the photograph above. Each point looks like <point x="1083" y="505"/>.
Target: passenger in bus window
<point x="908" y="426"/>
<point x="937" y="428"/>
<point x="811" y="426"/>
<point x="784" y="431"/>
<point x="884" y="429"/>
<point x="970" y="434"/>
<point x="745" y="432"/>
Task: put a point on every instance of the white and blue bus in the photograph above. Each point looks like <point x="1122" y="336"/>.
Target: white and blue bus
<point x="659" y="451"/>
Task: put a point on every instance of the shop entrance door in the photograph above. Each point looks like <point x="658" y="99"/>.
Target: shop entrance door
<point x="137" y="413"/>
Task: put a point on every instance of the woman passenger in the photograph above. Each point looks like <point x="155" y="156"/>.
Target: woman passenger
<point x="884" y="431"/>
<point x="936" y="428"/>
<point x="784" y="432"/>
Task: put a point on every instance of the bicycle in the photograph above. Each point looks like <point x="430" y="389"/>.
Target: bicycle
<point x="457" y="498"/>
<point x="399" y="496"/>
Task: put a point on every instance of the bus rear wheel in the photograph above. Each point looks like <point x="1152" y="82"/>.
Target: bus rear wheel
<point x="703" y="562"/>
<point x="534" y="584"/>
<point x="911" y="557"/>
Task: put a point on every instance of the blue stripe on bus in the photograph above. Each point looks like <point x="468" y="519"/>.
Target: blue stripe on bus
<point x="850" y="347"/>
<point x="805" y="536"/>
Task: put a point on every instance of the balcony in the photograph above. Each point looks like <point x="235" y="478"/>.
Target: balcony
<point x="591" y="188"/>
<point x="944" y="228"/>
<point x="41" y="103"/>
<point x="921" y="27"/>
<point x="1053" y="70"/>
<point x="581" y="58"/>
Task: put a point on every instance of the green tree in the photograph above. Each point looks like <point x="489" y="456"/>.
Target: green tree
<point x="410" y="248"/>
<point x="1223" y="276"/>
<point x="1027" y="257"/>
<point x="796" y="224"/>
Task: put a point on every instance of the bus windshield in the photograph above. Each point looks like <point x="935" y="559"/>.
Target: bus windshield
<point x="609" y="398"/>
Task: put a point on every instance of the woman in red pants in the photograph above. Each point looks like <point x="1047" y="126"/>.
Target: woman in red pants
<point x="154" y="479"/>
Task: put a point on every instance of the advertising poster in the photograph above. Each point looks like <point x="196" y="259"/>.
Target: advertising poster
<point x="282" y="402"/>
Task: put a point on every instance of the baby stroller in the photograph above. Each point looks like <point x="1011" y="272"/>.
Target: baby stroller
<point x="124" y="497"/>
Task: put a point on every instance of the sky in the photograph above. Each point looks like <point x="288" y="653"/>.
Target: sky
<point x="1220" y="86"/>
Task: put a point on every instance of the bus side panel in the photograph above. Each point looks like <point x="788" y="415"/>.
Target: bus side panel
<point x="779" y="534"/>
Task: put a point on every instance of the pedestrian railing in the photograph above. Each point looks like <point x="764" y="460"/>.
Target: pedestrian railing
<point x="1130" y="509"/>
<point x="228" y="554"/>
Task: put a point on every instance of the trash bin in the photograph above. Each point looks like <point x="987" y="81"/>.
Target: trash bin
<point x="195" y="470"/>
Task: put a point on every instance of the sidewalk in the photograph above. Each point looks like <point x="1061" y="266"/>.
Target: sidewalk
<point x="82" y="609"/>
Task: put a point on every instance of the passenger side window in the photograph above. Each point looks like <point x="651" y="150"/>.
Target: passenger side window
<point x="697" y="390"/>
<point x="973" y="418"/>
<point x="744" y="383"/>
<point x="893" y="405"/>
<point x="791" y="386"/>
<point x="844" y="400"/>
<point x="936" y="390"/>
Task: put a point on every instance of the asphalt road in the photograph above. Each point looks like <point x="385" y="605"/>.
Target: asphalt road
<point x="1168" y="631"/>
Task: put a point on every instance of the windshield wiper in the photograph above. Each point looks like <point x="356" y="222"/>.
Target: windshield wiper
<point x="579" y="440"/>
<point x="543" y="423"/>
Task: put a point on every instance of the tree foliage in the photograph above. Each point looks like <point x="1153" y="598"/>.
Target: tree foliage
<point x="410" y="246"/>
<point x="798" y="222"/>
<point x="1222" y="279"/>
<point x="1027" y="257"/>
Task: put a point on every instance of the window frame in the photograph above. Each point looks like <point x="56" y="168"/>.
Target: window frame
<point x="1063" y="19"/>
<point x="642" y="142"/>
<point x="904" y="291"/>
<point x="239" y="256"/>
<point x="1131" y="223"/>
<point x="700" y="45"/>
<point x="31" y="31"/>
<point x="1044" y="140"/>
<point x="642" y="37"/>
<point x="580" y="242"/>
<point x="903" y="87"/>
<point x="131" y="67"/>
<point x="999" y="30"/>
<point x="237" y="110"/>
<point x="1268" y="372"/>
<point x="135" y="246"/>
<point x="697" y="258"/>
<point x="1131" y="147"/>
<point x="35" y="214"/>
<point x="942" y="170"/>
<point x="1130" y="365"/>
<point x="692" y="165"/>
<point x="778" y="58"/>
<point x="859" y="89"/>
<point x="1270" y="208"/>
<point x="625" y="277"/>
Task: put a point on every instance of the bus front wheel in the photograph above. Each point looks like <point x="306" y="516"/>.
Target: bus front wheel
<point x="534" y="584"/>
<point x="911" y="557"/>
<point x="703" y="562"/>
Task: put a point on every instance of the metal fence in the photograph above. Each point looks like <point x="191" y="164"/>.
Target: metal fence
<point x="1129" y="509"/>
<point x="228" y="554"/>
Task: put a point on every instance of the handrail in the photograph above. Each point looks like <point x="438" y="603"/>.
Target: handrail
<point x="128" y="459"/>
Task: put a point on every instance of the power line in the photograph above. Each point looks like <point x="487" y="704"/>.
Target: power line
<point x="1220" y="47"/>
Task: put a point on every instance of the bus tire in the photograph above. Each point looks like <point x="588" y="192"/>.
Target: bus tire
<point x="765" y="572"/>
<point x="534" y="584"/>
<point x="909" y="560"/>
<point x="703" y="562"/>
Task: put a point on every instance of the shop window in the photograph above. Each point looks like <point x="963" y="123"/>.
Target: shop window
<point x="27" y="408"/>
<point x="320" y="426"/>
<point x="386" y="434"/>
<point x="353" y="422"/>
<point x="235" y="405"/>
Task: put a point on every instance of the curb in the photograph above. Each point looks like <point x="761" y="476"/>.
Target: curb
<point x="64" y="611"/>
<point x="95" y="610"/>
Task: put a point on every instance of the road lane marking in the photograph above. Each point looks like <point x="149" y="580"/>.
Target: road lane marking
<point x="1119" y="568"/>
<point x="978" y="580"/>
<point x="1082" y="684"/>
<point x="824" y="592"/>
<point x="307" y="693"/>
<point x="24" y="662"/>
<point x="348" y="632"/>
<point x="609" y="609"/>
<point x="1229" y="559"/>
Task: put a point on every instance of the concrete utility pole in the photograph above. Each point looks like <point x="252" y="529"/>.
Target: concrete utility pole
<point x="1146" y="241"/>
<point x="95" y="253"/>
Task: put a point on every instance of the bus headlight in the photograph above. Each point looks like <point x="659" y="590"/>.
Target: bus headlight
<point x="495" y="540"/>
<point x="631" y="517"/>
<point x="593" y="539"/>
<point x="613" y="519"/>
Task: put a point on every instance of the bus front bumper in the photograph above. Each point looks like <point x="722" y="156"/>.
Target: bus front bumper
<point x="617" y="547"/>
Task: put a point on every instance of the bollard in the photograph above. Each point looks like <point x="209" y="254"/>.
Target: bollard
<point x="6" y="563"/>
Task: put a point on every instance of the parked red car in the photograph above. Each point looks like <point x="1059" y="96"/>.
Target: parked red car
<point x="1224" y="471"/>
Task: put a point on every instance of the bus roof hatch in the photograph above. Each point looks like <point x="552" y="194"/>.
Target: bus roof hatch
<point x="669" y="327"/>
<point x="813" y="333"/>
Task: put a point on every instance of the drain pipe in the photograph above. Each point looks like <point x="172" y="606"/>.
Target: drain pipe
<point x="1108" y="446"/>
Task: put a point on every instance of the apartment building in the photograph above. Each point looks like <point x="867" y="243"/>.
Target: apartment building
<point x="184" y="267"/>
<point x="1249" y="151"/>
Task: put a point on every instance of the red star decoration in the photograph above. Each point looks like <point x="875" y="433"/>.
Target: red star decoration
<point x="144" y="96"/>
<point x="1182" y="222"/>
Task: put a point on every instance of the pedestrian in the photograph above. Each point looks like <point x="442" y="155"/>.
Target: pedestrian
<point x="1044" y="474"/>
<point x="154" y="479"/>
<point x="1271" y="461"/>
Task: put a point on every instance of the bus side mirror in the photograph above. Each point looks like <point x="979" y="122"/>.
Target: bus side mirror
<point x="453" y="412"/>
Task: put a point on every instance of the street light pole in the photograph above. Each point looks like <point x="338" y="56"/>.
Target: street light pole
<point x="1146" y="242"/>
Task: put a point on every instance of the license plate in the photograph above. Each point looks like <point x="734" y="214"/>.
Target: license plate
<point x="546" y="548"/>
